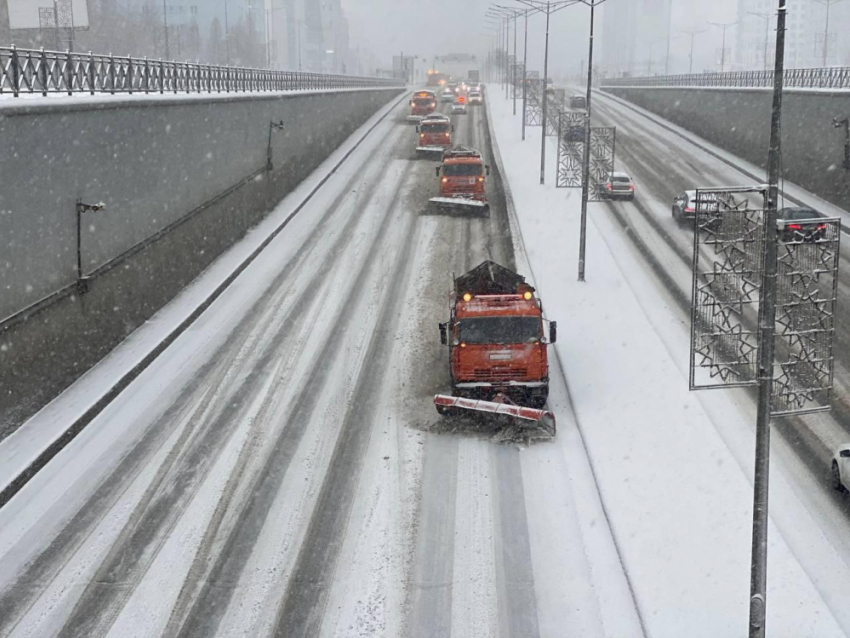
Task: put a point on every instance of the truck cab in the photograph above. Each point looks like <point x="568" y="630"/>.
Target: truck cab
<point x="422" y="103"/>
<point x="434" y="134"/>
<point x="497" y="337"/>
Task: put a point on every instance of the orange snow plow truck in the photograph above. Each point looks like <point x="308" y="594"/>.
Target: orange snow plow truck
<point x="497" y="348"/>
<point x="421" y="104"/>
<point x="433" y="135"/>
<point x="462" y="181"/>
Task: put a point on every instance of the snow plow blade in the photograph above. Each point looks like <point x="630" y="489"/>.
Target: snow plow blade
<point x="415" y="119"/>
<point x="502" y="409"/>
<point x="461" y="204"/>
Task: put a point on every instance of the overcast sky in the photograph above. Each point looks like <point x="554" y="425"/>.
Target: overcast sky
<point x="435" y="27"/>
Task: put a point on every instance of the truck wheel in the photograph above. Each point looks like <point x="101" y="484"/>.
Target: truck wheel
<point x="486" y="211"/>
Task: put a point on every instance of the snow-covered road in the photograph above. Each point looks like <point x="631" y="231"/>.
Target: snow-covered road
<point x="274" y="472"/>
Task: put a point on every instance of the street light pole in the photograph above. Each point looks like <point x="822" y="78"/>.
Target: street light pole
<point x="767" y="327"/>
<point x="549" y="9"/>
<point x="165" y="27"/>
<point x="513" y="69"/>
<point x="524" y="74"/>
<point x="585" y="170"/>
<point x="724" y="26"/>
<point x="226" y="35"/>
<point x="545" y="98"/>
<point x="766" y="17"/>
<point x="692" y="33"/>
<point x="828" y="4"/>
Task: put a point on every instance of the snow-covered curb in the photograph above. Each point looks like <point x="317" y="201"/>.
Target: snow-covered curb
<point x="25" y="449"/>
<point x="679" y="504"/>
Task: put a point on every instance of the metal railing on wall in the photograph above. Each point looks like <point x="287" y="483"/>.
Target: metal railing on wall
<point x="824" y="78"/>
<point x="37" y="71"/>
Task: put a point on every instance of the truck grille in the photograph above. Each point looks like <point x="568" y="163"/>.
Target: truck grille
<point x="500" y="373"/>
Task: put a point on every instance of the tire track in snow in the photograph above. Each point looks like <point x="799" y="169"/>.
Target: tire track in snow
<point x="208" y="608"/>
<point x="126" y="556"/>
<point x="302" y="609"/>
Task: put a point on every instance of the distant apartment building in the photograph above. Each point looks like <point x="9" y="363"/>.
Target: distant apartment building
<point x="810" y="39"/>
<point x="635" y="37"/>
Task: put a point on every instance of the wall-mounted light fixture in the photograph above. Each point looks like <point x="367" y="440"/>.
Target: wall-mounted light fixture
<point x="82" y="280"/>
<point x="838" y="123"/>
<point x="273" y="126"/>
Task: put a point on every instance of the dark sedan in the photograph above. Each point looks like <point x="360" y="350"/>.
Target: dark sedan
<point x="797" y="223"/>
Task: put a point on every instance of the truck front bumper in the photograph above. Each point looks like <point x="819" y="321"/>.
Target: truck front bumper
<point x="470" y="385"/>
<point x="431" y="149"/>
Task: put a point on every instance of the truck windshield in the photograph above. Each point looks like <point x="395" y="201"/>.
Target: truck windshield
<point x="434" y="128"/>
<point x="423" y="101"/>
<point x="501" y="330"/>
<point x="461" y="170"/>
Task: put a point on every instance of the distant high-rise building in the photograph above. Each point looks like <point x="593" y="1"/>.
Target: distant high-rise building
<point x="808" y="40"/>
<point x="635" y="37"/>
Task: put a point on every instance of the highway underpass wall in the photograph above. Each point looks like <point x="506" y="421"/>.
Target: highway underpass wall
<point x="182" y="178"/>
<point x="738" y="120"/>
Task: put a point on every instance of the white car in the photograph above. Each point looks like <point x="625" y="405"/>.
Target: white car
<point x="459" y="106"/>
<point x="447" y="96"/>
<point x="474" y="97"/>
<point x="841" y="468"/>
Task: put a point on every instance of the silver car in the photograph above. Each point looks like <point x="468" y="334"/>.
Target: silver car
<point x="841" y="467"/>
<point x="618" y="186"/>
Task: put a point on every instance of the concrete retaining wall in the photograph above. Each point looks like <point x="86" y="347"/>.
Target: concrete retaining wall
<point x="738" y="120"/>
<point x="153" y="162"/>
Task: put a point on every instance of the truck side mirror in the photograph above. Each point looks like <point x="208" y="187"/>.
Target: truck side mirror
<point x="553" y="331"/>
<point x="417" y="128"/>
<point x="438" y="171"/>
<point x="444" y="336"/>
<point x="487" y="168"/>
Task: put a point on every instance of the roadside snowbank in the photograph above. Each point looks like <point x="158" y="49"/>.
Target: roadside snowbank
<point x="678" y="502"/>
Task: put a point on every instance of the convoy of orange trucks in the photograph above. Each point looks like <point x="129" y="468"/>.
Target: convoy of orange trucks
<point x="496" y="334"/>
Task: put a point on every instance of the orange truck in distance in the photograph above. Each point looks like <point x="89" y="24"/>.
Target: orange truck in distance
<point x="433" y="135"/>
<point x="497" y="338"/>
<point x="462" y="181"/>
<point x="421" y="104"/>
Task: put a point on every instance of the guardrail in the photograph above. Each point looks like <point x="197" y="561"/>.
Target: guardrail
<point x="34" y="71"/>
<point x="830" y="78"/>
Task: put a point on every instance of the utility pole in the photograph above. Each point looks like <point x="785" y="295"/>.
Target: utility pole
<point x="767" y="327"/>
<point x="724" y="26"/>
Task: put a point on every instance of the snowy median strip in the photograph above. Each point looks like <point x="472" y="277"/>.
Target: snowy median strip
<point x="32" y="445"/>
<point x="678" y="502"/>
